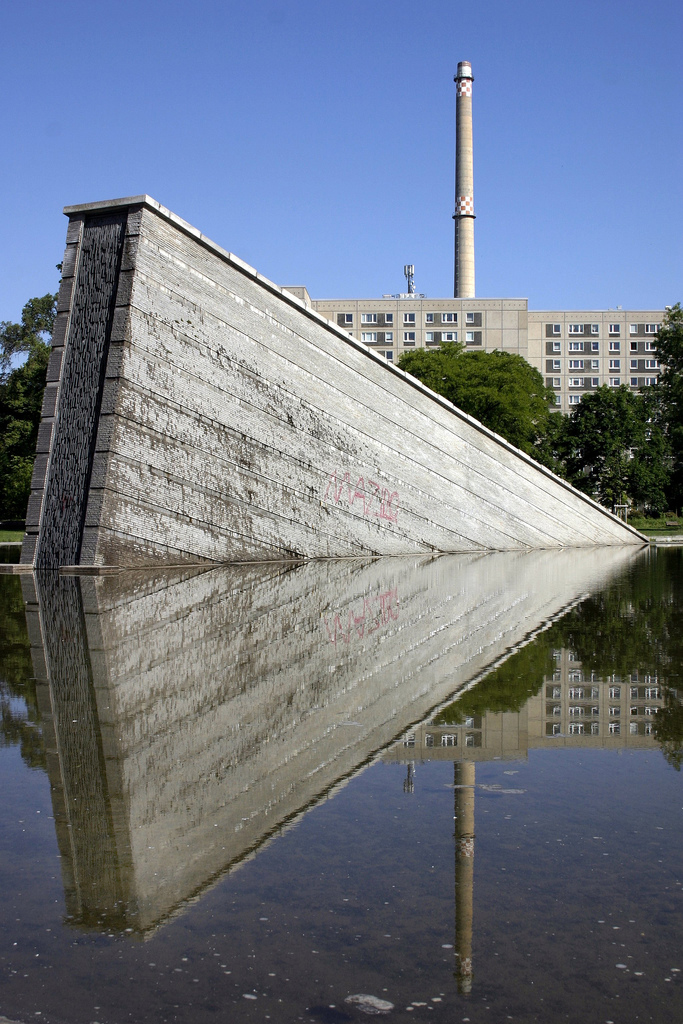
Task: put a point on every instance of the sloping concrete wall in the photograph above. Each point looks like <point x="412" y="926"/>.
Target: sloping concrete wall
<point x="201" y="712"/>
<point x="195" y="411"/>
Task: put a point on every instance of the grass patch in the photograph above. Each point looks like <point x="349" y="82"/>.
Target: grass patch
<point x="663" y="524"/>
<point x="10" y="535"/>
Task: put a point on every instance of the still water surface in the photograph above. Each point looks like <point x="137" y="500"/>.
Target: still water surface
<point x="449" y="784"/>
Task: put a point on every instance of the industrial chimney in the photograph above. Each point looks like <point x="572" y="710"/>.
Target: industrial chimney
<point x="464" y="184"/>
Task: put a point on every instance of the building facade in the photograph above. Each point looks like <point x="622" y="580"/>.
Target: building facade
<point x="576" y="351"/>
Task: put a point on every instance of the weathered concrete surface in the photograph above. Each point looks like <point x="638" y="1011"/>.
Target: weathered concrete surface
<point x="196" y="412"/>
<point x="188" y="717"/>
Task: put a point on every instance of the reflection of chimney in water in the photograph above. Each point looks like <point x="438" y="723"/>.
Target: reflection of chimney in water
<point x="463" y="779"/>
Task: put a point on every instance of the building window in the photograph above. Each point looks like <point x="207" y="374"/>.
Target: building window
<point x="557" y="691"/>
<point x="575" y="728"/>
<point x="368" y="337"/>
<point x="634" y="708"/>
<point x="595" y="728"/>
<point x="595" y="710"/>
<point x="557" y="347"/>
<point x="595" y="364"/>
<point x="408" y="318"/>
<point x="650" y="346"/>
<point x="409" y="741"/>
<point x="615" y="692"/>
<point x="651" y="364"/>
<point x="429" y="336"/>
<point x="576" y="710"/>
<point x="614" y="728"/>
<point x="576" y="364"/>
<point x="449" y="336"/>
<point x="634" y="693"/>
<point x="429" y="318"/>
<point x="633" y="382"/>
<point x="652" y="328"/>
<point x="556" y="729"/>
<point x="469" y="336"/>
<point x="634" y="364"/>
<point x="595" y="382"/>
<point x="595" y="692"/>
<point x="469" y="318"/>
<point x="368" y="318"/>
<point x="615" y="364"/>
<point x="557" y="709"/>
<point x="633" y="728"/>
<point x="557" y="382"/>
<point x="634" y="346"/>
<point x="556" y="364"/>
<point x="574" y="399"/>
<point x="449" y="318"/>
<point x="651" y="692"/>
<point x="576" y="328"/>
<point x="389" y="336"/>
<point x="615" y="328"/>
<point x="409" y="337"/>
<point x="389" y="356"/>
<point x="558" y="399"/>
<point x="633" y="328"/>
<point x="650" y="382"/>
<point x="595" y="328"/>
<point x="615" y="382"/>
<point x="449" y="740"/>
<point x="576" y="692"/>
<point x="576" y="346"/>
<point x="649" y="729"/>
<point x="576" y="382"/>
<point x="388" y="318"/>
<point x="429" y="740"/>
<point x="614" y="711"/>
<point x="615" y="346"/>
<point x="556" y="328"/>
<point x="347" y="318"/>
<point x="595" y="346"/>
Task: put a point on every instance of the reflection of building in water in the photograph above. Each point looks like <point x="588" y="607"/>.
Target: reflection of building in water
<point x="192" y="715"/>
<point x="578" y="708"/>
<point x="572" y="708"/>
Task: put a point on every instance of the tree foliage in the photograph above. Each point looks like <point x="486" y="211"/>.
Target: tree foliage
<point x="669" y="347"/>
<point x="614" y="448"/>
<point x="21" y="397"/>
<point x="500" y="389"/>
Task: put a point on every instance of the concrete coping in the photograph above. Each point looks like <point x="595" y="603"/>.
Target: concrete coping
<point x="293" y="300"/>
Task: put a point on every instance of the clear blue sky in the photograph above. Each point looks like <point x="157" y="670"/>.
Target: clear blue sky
<point x="315" y="138"/>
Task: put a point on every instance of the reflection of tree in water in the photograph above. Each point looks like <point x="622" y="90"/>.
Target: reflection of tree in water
<point x="633" y="624"/>
<point x="508" y="687"/>
<point x="20" y="721"/>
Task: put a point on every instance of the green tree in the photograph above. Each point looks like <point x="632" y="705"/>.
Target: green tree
<point x="669" y="347"/>
<point x="614" y="448"/>
<point x="500" y="389"/>
<point x="21" y="397"/>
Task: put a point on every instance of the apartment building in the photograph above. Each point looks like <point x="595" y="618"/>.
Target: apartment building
<point x="576" y="351"/>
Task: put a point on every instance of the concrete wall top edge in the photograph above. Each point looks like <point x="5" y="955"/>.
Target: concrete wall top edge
<point x="156" y="208"/>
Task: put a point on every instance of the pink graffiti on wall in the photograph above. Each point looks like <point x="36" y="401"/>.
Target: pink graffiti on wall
<point x="364" y="618"/>
<point x="367" y="496"/>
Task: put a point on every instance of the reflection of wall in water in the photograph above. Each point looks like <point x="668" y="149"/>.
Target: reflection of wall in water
<point x="193" y="715"/>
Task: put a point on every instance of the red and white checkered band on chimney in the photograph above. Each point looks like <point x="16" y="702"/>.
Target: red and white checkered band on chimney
<point x="465" y="205"/>
<point x="463" y="87"/>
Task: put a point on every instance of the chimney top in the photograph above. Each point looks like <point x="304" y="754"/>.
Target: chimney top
<point x="464" y="70"/>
